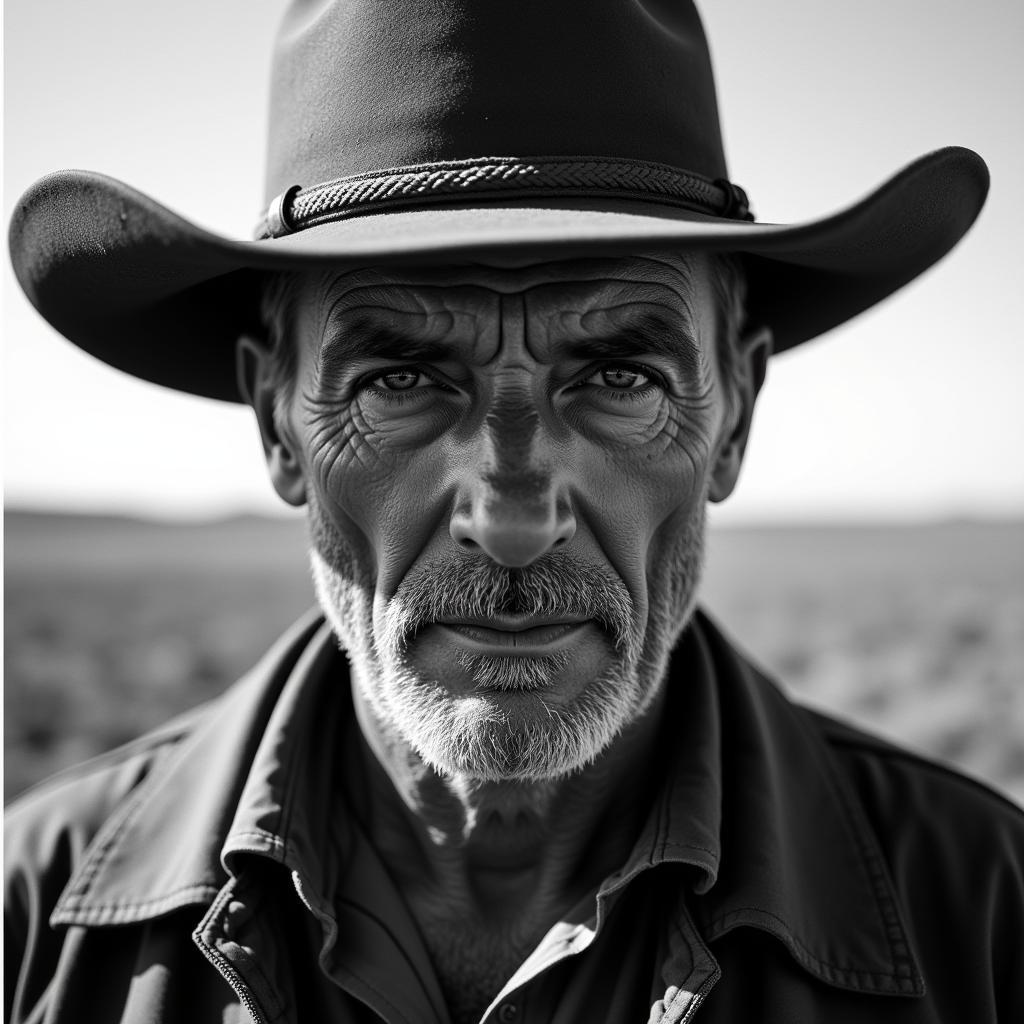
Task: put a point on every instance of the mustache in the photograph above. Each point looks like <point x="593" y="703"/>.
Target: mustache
<point x="477" y="588"/>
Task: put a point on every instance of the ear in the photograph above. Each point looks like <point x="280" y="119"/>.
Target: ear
<point x="256" y="383"/>
<point x="754" y="347"/>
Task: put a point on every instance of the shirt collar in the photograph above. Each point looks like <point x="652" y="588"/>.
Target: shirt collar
<point x="753" y="803"/>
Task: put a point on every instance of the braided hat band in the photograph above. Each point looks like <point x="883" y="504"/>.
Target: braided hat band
<point x="501" y="177"/>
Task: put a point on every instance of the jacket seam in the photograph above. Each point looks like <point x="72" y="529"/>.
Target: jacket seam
<point x="719" y="925"/>
<point x="685" y="846"/>
<point x="904" y="962"/>
<point x="275" y="840"/>
<point x="99" y="914"/>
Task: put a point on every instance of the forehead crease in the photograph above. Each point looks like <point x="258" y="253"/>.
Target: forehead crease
<point x="407" y="293"/>
<point x="578" y="298"/>
<point x="388" y="311"/>
<point x="426" y="321"/>
<point x="661" y="324"/>
<point x="678" y="315"/>
<point x="481" y="286"/>
<point x="388" y="298"/>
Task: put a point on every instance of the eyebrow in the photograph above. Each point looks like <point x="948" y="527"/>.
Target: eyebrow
<point x="377" y="341"/>
<point x="648" y="334"/>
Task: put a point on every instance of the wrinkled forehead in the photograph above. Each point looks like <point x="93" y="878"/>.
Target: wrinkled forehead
<point x="566" y="296"/>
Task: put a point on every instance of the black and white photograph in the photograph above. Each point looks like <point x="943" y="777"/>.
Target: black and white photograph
<point x="513" y="513"/>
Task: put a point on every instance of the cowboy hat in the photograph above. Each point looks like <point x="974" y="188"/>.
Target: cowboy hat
<point x="452" y="131"/>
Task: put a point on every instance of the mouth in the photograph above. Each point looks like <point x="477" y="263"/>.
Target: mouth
<point x="515" y="636"/>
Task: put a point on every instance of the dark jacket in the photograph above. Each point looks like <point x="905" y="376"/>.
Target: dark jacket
<point x="791" y="869"/>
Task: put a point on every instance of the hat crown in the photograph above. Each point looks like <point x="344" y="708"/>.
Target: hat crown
<point x="364" y="85"/>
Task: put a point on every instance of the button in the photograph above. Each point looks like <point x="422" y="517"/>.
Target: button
<point x="508" y="1012"/>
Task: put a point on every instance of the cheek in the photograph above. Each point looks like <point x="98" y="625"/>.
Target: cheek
<point x="662" y="475"/>
<point x="642" y="499"/>
<point x="376" y="480"/>
<point x="371" y="432"/>
<point x="389" y="428"/>
<point x="682" y="477"/>
<point x="688" y="444"/>
<point x="626" y="423"/>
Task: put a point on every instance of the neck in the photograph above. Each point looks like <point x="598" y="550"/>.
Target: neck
<point x="500" y="851"/>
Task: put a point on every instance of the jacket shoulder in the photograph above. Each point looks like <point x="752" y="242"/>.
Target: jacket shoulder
<point x="48" y="831"/>
<point x="885" y="773"/>
<point x="90" y="790"/>
<point x="948" y="840"/>
<point x="954" y="850"/>
<point x="48" y="828"/>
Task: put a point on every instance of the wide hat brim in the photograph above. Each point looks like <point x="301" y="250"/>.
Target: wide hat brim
<point x="152" y="294"/>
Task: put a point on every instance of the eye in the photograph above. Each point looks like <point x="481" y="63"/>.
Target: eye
<point x="401" y="380"/>
<point x="620" y="377"/>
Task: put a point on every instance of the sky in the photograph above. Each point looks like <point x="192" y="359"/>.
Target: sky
<point x="912" y="410"/>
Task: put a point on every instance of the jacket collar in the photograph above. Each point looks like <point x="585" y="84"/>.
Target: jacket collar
<point x="753" y="803"/>
<point x="798" y="856"/>
<point x="161" y="849"/>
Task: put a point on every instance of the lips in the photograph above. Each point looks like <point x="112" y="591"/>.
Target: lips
<point x="512" y="636"/>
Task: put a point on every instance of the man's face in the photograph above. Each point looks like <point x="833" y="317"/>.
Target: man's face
<point x="506" y="472"/>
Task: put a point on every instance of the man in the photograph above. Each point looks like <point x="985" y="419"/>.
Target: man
<point x="503" y="331"/>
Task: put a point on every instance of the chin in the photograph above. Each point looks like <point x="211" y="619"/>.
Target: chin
<point x="504" y="734"/>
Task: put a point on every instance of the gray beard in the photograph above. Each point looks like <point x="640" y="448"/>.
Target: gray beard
<point x="473" y="735"/>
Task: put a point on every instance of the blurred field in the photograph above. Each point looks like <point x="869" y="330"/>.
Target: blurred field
<point x="114" y="625"/>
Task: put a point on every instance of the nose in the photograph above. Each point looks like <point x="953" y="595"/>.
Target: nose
<point x="510" y="532"/>
<point x="512" y="506"/>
